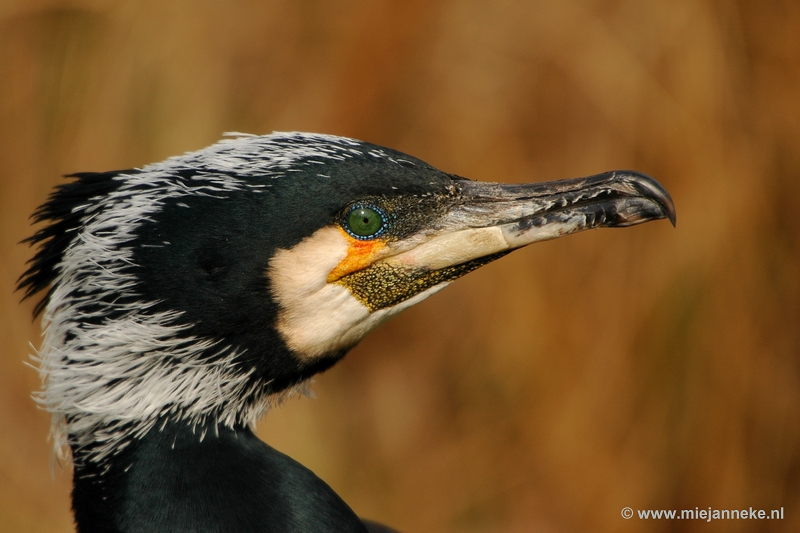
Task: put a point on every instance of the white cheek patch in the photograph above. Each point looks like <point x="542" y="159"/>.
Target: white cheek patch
<point x="317" y="318"/>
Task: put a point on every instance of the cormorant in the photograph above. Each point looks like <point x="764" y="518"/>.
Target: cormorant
<point x="186" y="297"/>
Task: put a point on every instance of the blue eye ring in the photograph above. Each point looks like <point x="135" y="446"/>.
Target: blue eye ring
<point x="365" y="221"/>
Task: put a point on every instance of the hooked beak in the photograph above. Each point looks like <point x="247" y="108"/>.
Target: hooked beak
<point x="494" y="218"/>
<point x="488" y="220"/>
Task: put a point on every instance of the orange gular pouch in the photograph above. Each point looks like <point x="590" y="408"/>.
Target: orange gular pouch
<point x="360" y="255"/>
<point x="378" y="285"/>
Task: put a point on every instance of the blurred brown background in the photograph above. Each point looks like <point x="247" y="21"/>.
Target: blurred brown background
<point x="650" y="367"/>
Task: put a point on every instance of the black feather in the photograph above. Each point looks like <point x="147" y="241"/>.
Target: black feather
<point x="65" y="213"/>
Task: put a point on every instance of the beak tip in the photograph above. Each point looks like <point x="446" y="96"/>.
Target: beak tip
<point x="669" y="210"/>
<point x="652" y="189"/>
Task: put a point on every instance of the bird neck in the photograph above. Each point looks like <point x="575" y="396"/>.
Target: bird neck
<point x="180" y="478"/>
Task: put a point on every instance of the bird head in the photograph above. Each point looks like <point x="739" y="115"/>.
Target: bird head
<point x="208" y="286"/>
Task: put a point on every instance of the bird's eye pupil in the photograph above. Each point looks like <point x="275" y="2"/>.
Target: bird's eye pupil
<point x="365" y="222"/>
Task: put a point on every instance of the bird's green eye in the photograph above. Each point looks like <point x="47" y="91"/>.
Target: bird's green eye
<point x="364" y="222"/>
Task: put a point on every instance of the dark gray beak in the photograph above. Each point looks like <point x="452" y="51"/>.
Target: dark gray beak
<point x="492" y="218"/>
